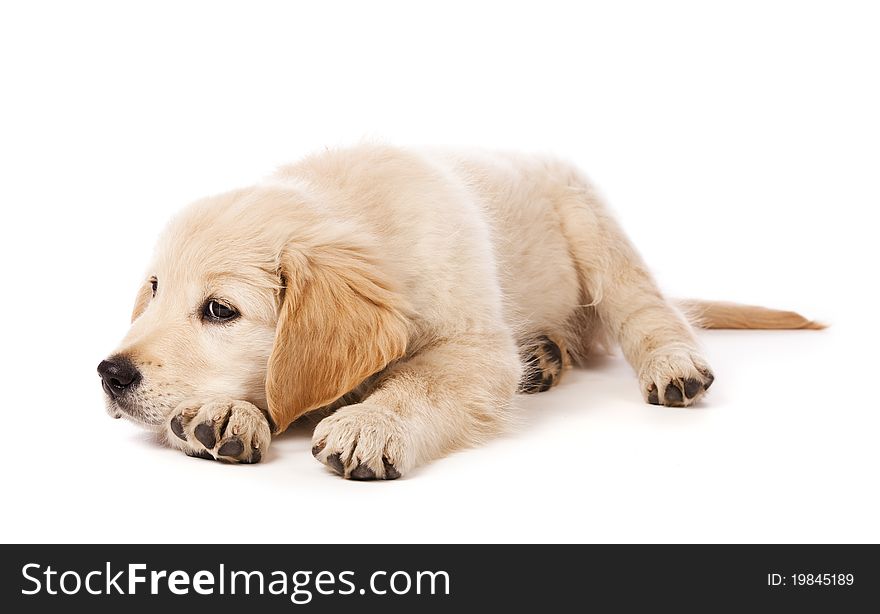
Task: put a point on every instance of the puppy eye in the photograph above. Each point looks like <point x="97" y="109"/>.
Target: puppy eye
<point x="154" y="283"/>
<point x="215" y="311"/>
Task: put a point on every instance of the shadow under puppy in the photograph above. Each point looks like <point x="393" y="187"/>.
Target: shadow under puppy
<point x="414" y="292"/>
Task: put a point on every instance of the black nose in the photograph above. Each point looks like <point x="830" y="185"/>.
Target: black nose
<point x="118" y="375"/>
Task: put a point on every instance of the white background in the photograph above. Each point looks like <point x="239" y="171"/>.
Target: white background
<point x="738" y="142"/>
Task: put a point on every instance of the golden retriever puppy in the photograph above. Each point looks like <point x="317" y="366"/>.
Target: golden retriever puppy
<point x="414" y="292"/>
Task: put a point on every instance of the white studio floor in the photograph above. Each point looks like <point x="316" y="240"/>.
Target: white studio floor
<point x="781" y="451"/>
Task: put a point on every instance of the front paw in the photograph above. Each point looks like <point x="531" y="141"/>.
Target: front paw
<point x="675" y="378"/>
<point x="363" y="442"/>
<point x="234" y="431"/>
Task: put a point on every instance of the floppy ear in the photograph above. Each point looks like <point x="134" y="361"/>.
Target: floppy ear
<point x="142" y="300"/>
<point x="339" y="323"/>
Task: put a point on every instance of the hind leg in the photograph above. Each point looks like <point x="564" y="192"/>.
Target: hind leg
<point x="655" y="338"/>
<point x="544" y="359"/>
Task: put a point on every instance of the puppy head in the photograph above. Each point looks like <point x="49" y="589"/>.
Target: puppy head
<point x="251" y="298"/>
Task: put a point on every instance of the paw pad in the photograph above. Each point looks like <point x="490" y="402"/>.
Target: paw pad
<point x="363" y="442"/>
<point x="335" y="463"/>
<point x="391" y="472"/>
<point x="680" y="392"/>
<point x="177" y="426"/>
<point x="542" y="366"/>
<point x="362" y="472"/>
<point x="204" y="432"/>
<point x="230" y="431"/>
<point x="231" y="447"/>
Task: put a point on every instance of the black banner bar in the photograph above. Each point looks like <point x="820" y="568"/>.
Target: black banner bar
<point x="436" y="578"/>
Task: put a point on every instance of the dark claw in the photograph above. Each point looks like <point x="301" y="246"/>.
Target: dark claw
<point x="201" y="454"/>
<point x="317" y="448"/>
<point x="205" y="434"/>
<point x="391" y="472"/>
<point x="692" y="387"/>
<point x="362" y="472"/>
<point x="231" y="447"/>
<point x="256" y="456"/>
<point x="336" y="463"/>
<point x="673" y="394"/>
<point x="653" y="399"/>
<point x="177" y="426"/>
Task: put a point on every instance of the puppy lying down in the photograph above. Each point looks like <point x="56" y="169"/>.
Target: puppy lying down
<point x="413" y="292"/>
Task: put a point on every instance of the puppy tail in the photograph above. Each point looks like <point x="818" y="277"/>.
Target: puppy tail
<point x="717" y="314"/>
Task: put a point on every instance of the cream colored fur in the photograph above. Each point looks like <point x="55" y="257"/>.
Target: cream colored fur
<point x="399" y="287"/>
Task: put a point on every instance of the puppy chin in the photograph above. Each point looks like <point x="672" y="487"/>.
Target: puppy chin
<point x="149" y="418"/>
